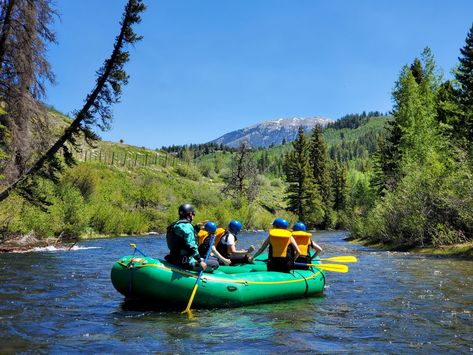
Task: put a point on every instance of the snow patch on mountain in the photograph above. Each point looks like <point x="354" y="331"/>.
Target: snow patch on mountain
<point x="271" y="132"/>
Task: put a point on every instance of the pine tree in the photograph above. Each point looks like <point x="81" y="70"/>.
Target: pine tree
<point x="464" y="76"/>
<point x="417" y="70"/>
<point x="449" y="112"/>
<point x="339" y="180"/>
<point x="302" y="193"/>
<point x="24" y="71"/>
<point x="412" y="134"/>
<point x="321" y="172"/>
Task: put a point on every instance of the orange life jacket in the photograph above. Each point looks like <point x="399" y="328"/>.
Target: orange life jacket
<point x="203" y="234"/>
<point x="303" y="241"/>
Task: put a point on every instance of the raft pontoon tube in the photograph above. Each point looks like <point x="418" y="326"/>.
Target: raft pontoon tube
<point x="164" y="284"/>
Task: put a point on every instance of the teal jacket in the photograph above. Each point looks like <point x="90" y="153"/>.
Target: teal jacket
<point x="184" y="231"/>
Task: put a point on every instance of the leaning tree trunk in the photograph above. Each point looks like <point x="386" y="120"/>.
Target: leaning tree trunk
<point x="98" y="101"/>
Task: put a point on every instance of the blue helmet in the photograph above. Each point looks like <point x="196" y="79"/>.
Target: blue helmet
<point x="210" y="227"/>
<point x="280" y="223"/>
<point x="234" y="226"/>
<point x="299" y="226"/>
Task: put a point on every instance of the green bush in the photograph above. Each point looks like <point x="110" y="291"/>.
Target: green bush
<point x="188" y="171"/>
<point x="71" y="210"/>
<point x="207" y="169"/>
<point x="84" y="178"/>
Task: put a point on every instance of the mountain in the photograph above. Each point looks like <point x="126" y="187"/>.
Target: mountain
<point x="270" y="132"/>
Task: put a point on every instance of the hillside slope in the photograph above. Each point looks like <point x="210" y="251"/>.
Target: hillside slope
<point x="120" y="189"/>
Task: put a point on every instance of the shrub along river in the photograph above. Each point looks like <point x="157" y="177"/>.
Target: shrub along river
<point x="56" y="301"/>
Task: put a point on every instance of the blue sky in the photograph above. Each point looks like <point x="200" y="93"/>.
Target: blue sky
<point x="207" y="67"/>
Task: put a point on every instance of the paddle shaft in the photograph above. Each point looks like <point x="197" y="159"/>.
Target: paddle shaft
<point x="194" y="291"/>
<point x="134" y="246"/>
<point x="337" y="259"/>
<point x="342" y="259"/>
<point x="327" y="267"/>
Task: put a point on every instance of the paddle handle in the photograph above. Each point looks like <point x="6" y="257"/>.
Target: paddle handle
<point x="136" y="248"/>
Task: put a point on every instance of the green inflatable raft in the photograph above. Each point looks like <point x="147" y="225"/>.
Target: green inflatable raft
<point x="164" y="284"/>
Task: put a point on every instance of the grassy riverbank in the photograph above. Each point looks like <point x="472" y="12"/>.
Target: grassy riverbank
<point x="95" y="199"/>
<point x="457" y="250"/>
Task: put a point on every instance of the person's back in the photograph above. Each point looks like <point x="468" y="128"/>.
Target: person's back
<point x="213" y="260"/>
<point x="283" y="248"/>
<point x="305" y="243"/>
<point x="181" y="242"/>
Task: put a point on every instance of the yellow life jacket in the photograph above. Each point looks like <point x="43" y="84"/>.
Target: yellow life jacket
<point x="303" y="241"/>
<point x="218" y="235"/>
<point x="204" y="234"/>
<point x="279" y="240"/>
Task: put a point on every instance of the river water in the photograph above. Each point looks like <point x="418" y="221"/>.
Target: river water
<point x="57" y="301"/>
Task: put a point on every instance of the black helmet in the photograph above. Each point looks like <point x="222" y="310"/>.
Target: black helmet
<point x="185" y="209"/>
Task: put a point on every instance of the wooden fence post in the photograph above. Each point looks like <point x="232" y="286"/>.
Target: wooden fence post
<point x="146" y="159"/>
<point x="124" y="159"/>
<point x="136" y="158"/>
<point x="113" y="156"/>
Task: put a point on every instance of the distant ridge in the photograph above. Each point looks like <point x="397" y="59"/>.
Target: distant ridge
<point x="270" y="132"/>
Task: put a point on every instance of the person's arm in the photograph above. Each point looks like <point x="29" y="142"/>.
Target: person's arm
<point x="316" y="247"/>
<point x="297" y="251"/>
<point x="260" y="250"/>
<point x="220" y="257"/>
<point x="199" y="225"/>
<point x="233" y="250"/>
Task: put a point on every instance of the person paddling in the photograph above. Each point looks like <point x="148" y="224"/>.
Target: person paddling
<point x="180" y="238"/>
<point x="305" y="243"/>
<point x="216" y="258"/>
<point x="227" y="245"/>
<point x="283" y="249"/>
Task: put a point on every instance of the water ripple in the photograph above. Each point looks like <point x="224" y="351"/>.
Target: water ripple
<point x="62" y="301"/>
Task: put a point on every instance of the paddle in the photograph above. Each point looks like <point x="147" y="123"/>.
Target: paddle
<point x="194" y="291"/>
<point x="342" y="259"/>
<point x="136" y="249"/>
<point x="327" y="267"/>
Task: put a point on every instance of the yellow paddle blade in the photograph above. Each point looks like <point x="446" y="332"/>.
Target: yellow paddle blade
<point x="331" y="267"/>
<point x="133" y="245"/>
<point x="188" y="308"/>
<point x="277" y="232"/>
<point x="342" y="259"/>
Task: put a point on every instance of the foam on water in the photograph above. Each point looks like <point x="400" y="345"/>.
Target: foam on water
<point x="52" y="248"/>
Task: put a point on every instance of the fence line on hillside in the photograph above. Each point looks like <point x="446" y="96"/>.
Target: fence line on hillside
<point x="129" y="159"/>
